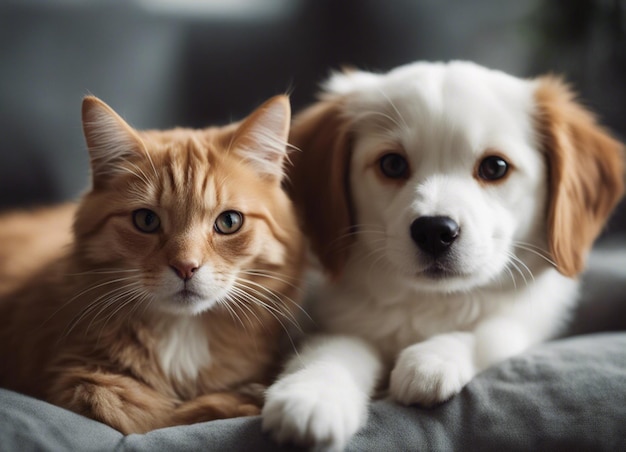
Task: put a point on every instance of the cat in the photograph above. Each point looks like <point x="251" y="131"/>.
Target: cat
<point x="170" y="302"/>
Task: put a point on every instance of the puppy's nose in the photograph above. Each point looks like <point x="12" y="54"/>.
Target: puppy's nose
<point x="434" y="235"/>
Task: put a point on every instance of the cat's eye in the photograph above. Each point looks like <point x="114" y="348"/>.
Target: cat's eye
<point x="229" y="222"/>
<point x="394" y="166"/>
<point x="146" y="220"/>
<point x="493" y="168"/>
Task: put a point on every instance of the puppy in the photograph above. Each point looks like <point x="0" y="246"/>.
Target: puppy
<point x="453" y="207"/>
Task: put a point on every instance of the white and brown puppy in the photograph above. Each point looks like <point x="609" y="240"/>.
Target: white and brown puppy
<point x="454" y="207"/>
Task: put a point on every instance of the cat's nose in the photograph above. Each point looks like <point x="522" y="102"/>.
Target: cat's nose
<point x="184" y="269"/>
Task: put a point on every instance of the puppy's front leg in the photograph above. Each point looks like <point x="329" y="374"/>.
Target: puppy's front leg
<point x="432" y="371"/>
<point x="322" y="397"/>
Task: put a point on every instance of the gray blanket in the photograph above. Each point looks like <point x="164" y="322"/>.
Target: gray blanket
<point x="568" y="394"/>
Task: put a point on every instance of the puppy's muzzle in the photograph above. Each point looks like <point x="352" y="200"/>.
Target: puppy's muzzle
<point x="434" y="235"/>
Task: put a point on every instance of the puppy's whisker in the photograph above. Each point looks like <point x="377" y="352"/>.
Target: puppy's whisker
<point x="524" y="266"/>
<point x="375" y="252"/>
<point x="361" y="226"/>
<point x="355" y="233"/>
<point x="536" y="251"/>
<point x="374" y="257"/>
<point x="519" y="266"/>
<point x="348" y="246"/>
<point x="384" y="121"/>
<point x="395" y="108"/>
<point x="510" y="273"/>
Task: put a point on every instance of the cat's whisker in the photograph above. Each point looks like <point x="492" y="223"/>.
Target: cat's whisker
<point x="150" y="299"/>
<point x="263" y="305"/>
<point x="112" y="299"/>
<point x="103" y="272"/>
<point x="276" y="296"/>
<point x="121" y="305"/>
<point x="231" y="304"/>
<point x="242" y="296"/>
<point x="97" y="286"/>
<point x="276" y="301"/>
<point x="236" y="302"/>
<point x="133" y="297"/>
<point x="132" y="312"/>
<point x="94" y="304"/>
<point x="277" y="276"/>
<point x="83" y="292"/>
<point x="225" y="303"/>
<point x="272" y="311"/>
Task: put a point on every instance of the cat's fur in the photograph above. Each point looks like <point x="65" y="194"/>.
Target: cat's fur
<point x="142" y="330"/>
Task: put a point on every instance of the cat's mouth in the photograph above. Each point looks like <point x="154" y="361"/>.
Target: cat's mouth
<point x="186" y="301"/>
<point x="188" y="295"/>
<point x="190" y="299"/>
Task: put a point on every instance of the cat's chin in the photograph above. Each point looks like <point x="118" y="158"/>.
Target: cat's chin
<point x="185" y="302"/>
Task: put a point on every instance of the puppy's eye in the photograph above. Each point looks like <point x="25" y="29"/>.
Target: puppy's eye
<point x="229" y="222"/>
<point x="493" y="168"/>
<point x="146" y="220"/>
<point x="394" y="166"/>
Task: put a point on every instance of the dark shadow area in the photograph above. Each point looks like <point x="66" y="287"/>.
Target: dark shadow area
<point x="164" y="66"/>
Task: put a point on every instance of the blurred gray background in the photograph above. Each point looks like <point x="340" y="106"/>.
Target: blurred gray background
<point x="162" y="63"/>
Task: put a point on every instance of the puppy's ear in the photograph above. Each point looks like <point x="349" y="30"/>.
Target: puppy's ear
<point x="318" y="181"/>
<point x="586" y="174"/>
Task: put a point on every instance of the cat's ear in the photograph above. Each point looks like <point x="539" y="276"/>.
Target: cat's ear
<point x="261" y="139"/>
<point x="109" y="138"/>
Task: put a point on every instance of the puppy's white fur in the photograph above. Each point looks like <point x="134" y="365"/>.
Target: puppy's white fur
<point x="509" y="280"/>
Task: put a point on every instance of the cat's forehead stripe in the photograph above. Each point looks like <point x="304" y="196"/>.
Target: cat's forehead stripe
<point x="189" y="177"/>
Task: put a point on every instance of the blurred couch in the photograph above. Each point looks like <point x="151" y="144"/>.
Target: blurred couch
<point x="196" y="62"/>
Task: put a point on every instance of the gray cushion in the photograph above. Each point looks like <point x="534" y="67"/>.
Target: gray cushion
<point x="568" y="394"/>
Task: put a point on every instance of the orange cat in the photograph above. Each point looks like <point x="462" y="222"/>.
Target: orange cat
<point x="171" y="300"/>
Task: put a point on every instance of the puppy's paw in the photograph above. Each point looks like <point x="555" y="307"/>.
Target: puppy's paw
<point x="430" y="373"/>
<point x="323" y="411"/>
